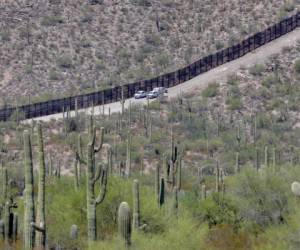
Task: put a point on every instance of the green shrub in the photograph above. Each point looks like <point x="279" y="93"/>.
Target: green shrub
<point x="52" y="20"/>
<point x="211" y="90"/>
<point x="64" y="61"/>
<point x="263" y="198"/>
<point x="297" y="66"/>
<point x="234" y="103"/>
<point x="217" y="210"/>
<point x="257" y="69"/>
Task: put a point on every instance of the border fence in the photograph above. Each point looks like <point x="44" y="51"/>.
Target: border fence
<point x="167" y="80"/>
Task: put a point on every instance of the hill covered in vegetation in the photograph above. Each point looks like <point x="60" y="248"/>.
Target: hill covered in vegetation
<point x="60" y="47"/>
<point x="214" y="169"/>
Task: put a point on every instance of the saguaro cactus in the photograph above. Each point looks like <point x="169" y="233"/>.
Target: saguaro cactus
<point x="76" y="176"/>
<point x="93" y="175"/>
<point x="136" y="205"/>
<point x="4" y="183"/>
<point x="171" y="166"/>
<point x="237" y="162"/>
<point x="217" y="177"/>
<point x="74" y="232"/>
<point x="124" y="223"/>
<point x="15" y="227"/>
<point x="92" y="201"/>
<point x="274" y="156"/>
<point x="266" y="157"/>
<point x="257" y="162"/>
<point x="110" y="160"/>
<point x="128" y="155"/>
<point x="295" y="187"/>
<point x="203" y="191"/>
<point x="179" y="166"/>
<point x="122" y="101"/>
<point x="175" y="201"/>
<point x="161" y="199"/>
<point x="2" y="231"/>
<point x="238" y="135"/>
<point x="7" y="221"/>
<point x="50" y="165"/>
<point x="40" y="225"/>
<point x="29" y="213"/>
<point x="157" y="182"/>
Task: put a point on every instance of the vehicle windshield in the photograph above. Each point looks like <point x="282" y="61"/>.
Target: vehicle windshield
<point x="140" y="92"/>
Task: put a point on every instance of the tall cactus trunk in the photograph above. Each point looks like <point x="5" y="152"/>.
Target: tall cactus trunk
<point x="237" y="162"/>
<point x="257" y="162"/>
<point x="29" y="213"/>
<point x="91" y="207"/>
<point x="41" y="218"/>
<point x="217" y="177"/>
<point x="76" y="175"/>
<point x="92" y="222"/>
<point x="15" y="227"/>
<point x="7" y="223"/>
<point x="157" y="184"/>
<point x="179" y="178"/>
<point x="266" y="157"/>
<point x="128" y="155"/>
<point x="136" y="205"/>
<point x="4" y="183"/>
<point x="161" y="198"/>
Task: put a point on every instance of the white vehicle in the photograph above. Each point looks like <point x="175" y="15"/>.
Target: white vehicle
<point x="140" y="94"/>
<point x="152" y="94"/>
<point x="160" y="90"/>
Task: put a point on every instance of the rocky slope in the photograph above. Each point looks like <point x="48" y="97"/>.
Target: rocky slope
<point x="62" y="47"/>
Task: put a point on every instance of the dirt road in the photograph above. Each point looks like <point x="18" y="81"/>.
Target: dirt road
<point x="258" y="56"/>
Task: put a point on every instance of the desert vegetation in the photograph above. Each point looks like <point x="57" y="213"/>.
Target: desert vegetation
<point x="61" y="47"/>
<point x="213" y="169"/>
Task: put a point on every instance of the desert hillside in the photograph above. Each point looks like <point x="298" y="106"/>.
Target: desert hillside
<point x="61" y="47"/>
<point x="218" y="162"/>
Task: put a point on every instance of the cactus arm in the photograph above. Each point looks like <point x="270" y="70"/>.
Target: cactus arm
<point x="37" y="227"/>
<point x="99" y="147"/>
<point x="103" y="184"/>
<point x="80" y="159"/>
<point x="98" y="173"/>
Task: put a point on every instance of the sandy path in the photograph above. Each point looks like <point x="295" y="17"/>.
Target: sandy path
<point x="260" y="55"/>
